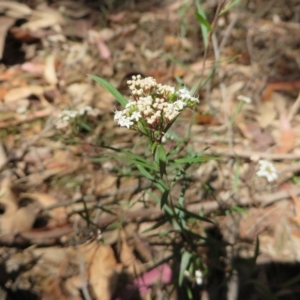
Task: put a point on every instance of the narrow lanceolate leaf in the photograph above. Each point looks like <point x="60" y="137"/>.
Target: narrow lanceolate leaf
<point x="161" y="159"/>
<point x="185" y="260"/>
<point x="205" y="26"/>
<point x="229" y="6"/>
<point x="144" y="172"/>
<point x="190" y="214"/>
<point x="187" y="160"/>
<point x="203" y="21"/>
<point x="164" y="198"/>
<point x="119" y="97"/>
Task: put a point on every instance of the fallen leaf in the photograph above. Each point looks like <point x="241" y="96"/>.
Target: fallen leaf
<point x="102" y="269"/>
<point x="5" y="24"/>
<point x="23" y="35"/>
<point x="33" y="68"/>
<point x="103" y="50"/>
<point x="49" y="71"/>
<point x="23" y="92"/>
<point x="127" y="256"/>
<point x="3" y="158"/>
<point x="58" y="215"/>
<point x="18" y="221"/>
<point x="287" y="138"/>
<point x="43" y="18"/>
<point x="7" y="197"/>
<point x="14" y="8"/>
<point x="279" y="86"/>
<point x="267" y="114"/>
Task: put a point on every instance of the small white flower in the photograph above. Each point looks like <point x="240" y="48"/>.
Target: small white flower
<point x="198" y="277"/>
<point x="118" y="115"/>
<point x="244" y="98"/>
<point x="125" y="122"/>
<point x="136" y="115"/>
<point x="267" y="169"/>
<point x="131" y="103"/>
<point x="183" y="93"/>
<point x="179" y="105"/>
<point x="66" y="115"/>
<point x="84" y="110"/>
<point x="72" y="113"/>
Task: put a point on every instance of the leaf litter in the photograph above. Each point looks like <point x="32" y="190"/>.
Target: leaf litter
<point x="60" y="192"/>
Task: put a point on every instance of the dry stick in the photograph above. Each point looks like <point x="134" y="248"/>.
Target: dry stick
<point x="255" y="155"/>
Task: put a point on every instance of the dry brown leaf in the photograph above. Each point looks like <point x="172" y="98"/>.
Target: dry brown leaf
<point x="102" y="269"/>
<point x="279" y="86"/>
<point x="5" y="24"/>
<point x="23" y="92"/>
<point x="18" y="221"/>
<point x="105" y="184"/>
<point x="127" y="257"/>
<point x="7" y="197"/>
<point x="287" y="138"/>
<point x="37" y="154"/>
<point x="15" y="9"/>
<point x="33" y="67"/>
<point x="52" y="290"/>
<point x="49" y="70"/>
<point x="103" y="49"/>
<point x="3" y="157"/>
<point x="58" y="215"/>
<point x="267" y="114"/>
<point x="252" y="131"/>
<point x="232" y="89"/>
<point x="43" y="18"/>
<point x="23" y="35"/>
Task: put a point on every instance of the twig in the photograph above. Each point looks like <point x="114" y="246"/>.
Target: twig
<point x="252" y="154"/>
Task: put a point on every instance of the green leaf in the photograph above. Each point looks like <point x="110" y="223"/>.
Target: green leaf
<point x="130" y="160"/>
<point x="201" y="17"/>
<point x="164" y="198"/>
<point x="144" y="172"/>
<point x="161" y="153"/>
<point x="167" y="209"/>
<point x="156" y="225"/>
<point x="185" y="260"/>
<point x="229" y="6"/>
<point x="119" y="97"/>
<point x="195" y="216"/>
<point x="238" y="209"/>
<point x="203" y="21"/>
<point x="85" y="125"/>
<point x="161" y="159"/>
<point x="193" y="159"/>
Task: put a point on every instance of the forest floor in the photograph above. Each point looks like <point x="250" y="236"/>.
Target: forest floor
<point x="73" y="218"/>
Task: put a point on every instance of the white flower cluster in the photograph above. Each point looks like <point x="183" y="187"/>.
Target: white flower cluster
<point x="267" y="169"/>
<point x="156" y="104"/>
<point x="64" y="118"/>
<point x="198" y="277"/>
